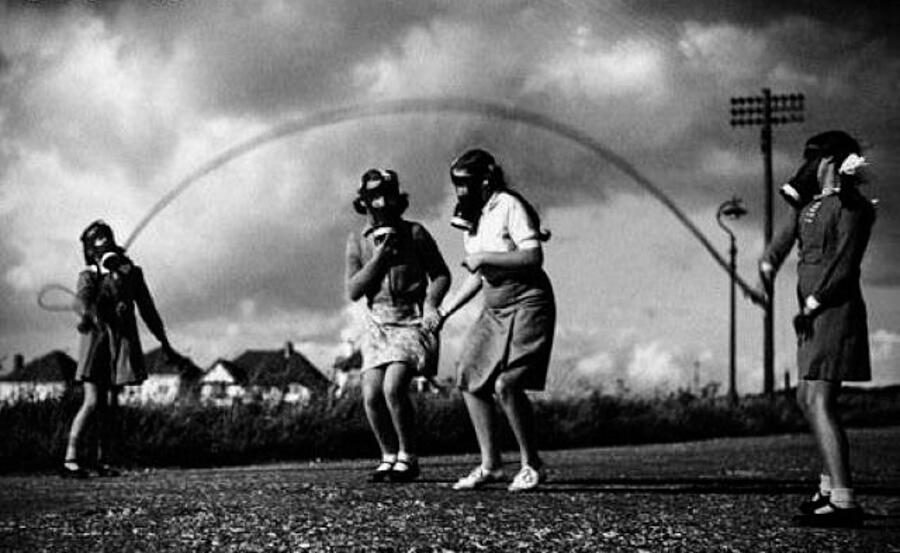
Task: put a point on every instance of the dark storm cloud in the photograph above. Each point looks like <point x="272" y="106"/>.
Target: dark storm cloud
<point x="871" y="17"/>
<point x="122" y="99"/>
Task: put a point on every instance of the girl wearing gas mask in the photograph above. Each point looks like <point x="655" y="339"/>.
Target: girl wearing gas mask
<point x="507" y="351"/>
<point x="831" y="223"/>
<point x="110" y="354"/>
<point x="396" y="266"/>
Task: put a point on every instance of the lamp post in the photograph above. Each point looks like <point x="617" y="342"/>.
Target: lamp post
<point x="731" y="209"/>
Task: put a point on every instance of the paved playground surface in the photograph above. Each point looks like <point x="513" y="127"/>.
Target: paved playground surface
<point x="718" y="495"/>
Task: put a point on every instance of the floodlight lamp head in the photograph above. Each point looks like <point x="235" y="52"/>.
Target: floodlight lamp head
<point x="733" y="209"/>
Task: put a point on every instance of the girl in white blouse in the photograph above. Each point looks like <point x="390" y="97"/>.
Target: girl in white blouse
<point x="507" y="350"/>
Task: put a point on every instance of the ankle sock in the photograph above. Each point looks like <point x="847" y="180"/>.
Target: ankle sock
<point x="406" y="457"/>
<point x="71" y="464"/>
<point x="389" y="458"/>
<point x="843" y="498"/>
<point x="824" y="484"/>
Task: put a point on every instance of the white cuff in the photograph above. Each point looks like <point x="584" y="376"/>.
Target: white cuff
<point x="812" y="303"/>
<point x="791" y="191"/>
<point x="852" y="163"/>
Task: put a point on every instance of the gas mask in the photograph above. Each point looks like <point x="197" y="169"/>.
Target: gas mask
<point x="822" y="154"/>
<point x="804" y="185"/>
<point x="98" y="243"/>
<point x="472" y="174"/>
<point x="469" y="203"/>
<point x="379" y="196"/>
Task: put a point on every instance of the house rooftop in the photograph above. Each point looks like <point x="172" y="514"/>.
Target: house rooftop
<point x="157" y="363"/>
<point x="55" y="366"/>
<point x="237" y="372"/>
<point x="280" y="368"/>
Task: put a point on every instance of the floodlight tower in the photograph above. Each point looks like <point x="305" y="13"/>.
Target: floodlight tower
<point x="767" y="110"/>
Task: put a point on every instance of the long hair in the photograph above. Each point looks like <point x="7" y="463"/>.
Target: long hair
<point x="482" y="163"/>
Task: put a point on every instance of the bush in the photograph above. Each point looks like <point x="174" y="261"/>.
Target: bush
<point x="194" y="435"/>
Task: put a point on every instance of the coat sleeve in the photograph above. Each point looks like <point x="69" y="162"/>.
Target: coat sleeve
<point x="85" y="302"/>
<point x="853" y="230"/>
<point x="782" y="242"/>
<point x="434" y="265"/>
<point x="432" y="259"/>
<point x="147" y="307"/>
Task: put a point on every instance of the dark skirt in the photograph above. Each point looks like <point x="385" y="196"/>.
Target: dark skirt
<point x="108" y="359"/>
<point x="513" y="339"/>
<point x="839" y="347"/>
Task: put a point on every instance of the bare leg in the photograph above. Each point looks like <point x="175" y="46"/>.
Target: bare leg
<point x="377" y="411"/>
<point x="821" y="413"/>
<point x="520" y="414"/>
<point x="107" y="410"/>
<point x="804" y="400"/>
<point x="396" y="391"/>
<point x="481" y="411"/>
<point x="88" y="406"/>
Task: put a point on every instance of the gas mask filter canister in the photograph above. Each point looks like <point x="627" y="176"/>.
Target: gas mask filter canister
<point x="469" y="201"/>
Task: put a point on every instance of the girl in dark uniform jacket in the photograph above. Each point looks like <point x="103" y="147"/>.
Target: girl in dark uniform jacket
<point x="832" y="230"/>
<point x="110" y="354"/>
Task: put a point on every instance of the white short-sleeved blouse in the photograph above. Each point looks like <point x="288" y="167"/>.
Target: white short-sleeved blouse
<point x="504" y="227"/>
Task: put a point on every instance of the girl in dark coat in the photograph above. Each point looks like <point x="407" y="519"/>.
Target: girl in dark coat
<point x="110" y="355"/>
<point x="832" y="226"/>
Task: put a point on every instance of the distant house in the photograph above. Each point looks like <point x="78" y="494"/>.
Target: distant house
<point x="273" y="376"/>
<point x="285" y="375"/>
<point x="44" y="377"/>
<point x="345" y="374"/>
<point x="223" y="384"/>
<point x="168" y="380"/>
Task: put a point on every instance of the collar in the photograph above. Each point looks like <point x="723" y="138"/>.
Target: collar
<point x="369" y="229"/>
<point x="827" y="192"/>
<point x="492" y="202"/>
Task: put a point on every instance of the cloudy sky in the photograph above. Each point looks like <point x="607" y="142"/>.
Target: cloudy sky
<point x="106" y="106"/>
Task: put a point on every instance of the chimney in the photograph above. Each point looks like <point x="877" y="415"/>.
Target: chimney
<point x="18" y="362"/>
<point x="288" y="349"/>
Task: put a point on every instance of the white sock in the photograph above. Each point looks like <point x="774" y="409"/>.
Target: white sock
<point x="843" y="498"/>
<point x="389" y="458"/>
<point x="824" y="484"/>
<point x="407" y="457"/>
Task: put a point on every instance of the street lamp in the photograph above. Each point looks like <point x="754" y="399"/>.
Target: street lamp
<point x="731" y="209"/>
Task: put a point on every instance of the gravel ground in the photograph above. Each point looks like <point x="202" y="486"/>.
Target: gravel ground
<point x="718" y="495"/>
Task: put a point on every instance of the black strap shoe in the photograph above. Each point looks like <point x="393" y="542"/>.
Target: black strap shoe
<point x="405" y="470"/>
<point x="830" y="516"/>
<point x="69" y="471"/>
<point x="818" y="501"/>
<point x="382" y="472"/>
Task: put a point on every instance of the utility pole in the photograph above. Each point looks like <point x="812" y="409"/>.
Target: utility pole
<point x="767" y="110"/>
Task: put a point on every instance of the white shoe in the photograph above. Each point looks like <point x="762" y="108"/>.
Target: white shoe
<point x="478" y="478"/>
<point x="528" y="478"/>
